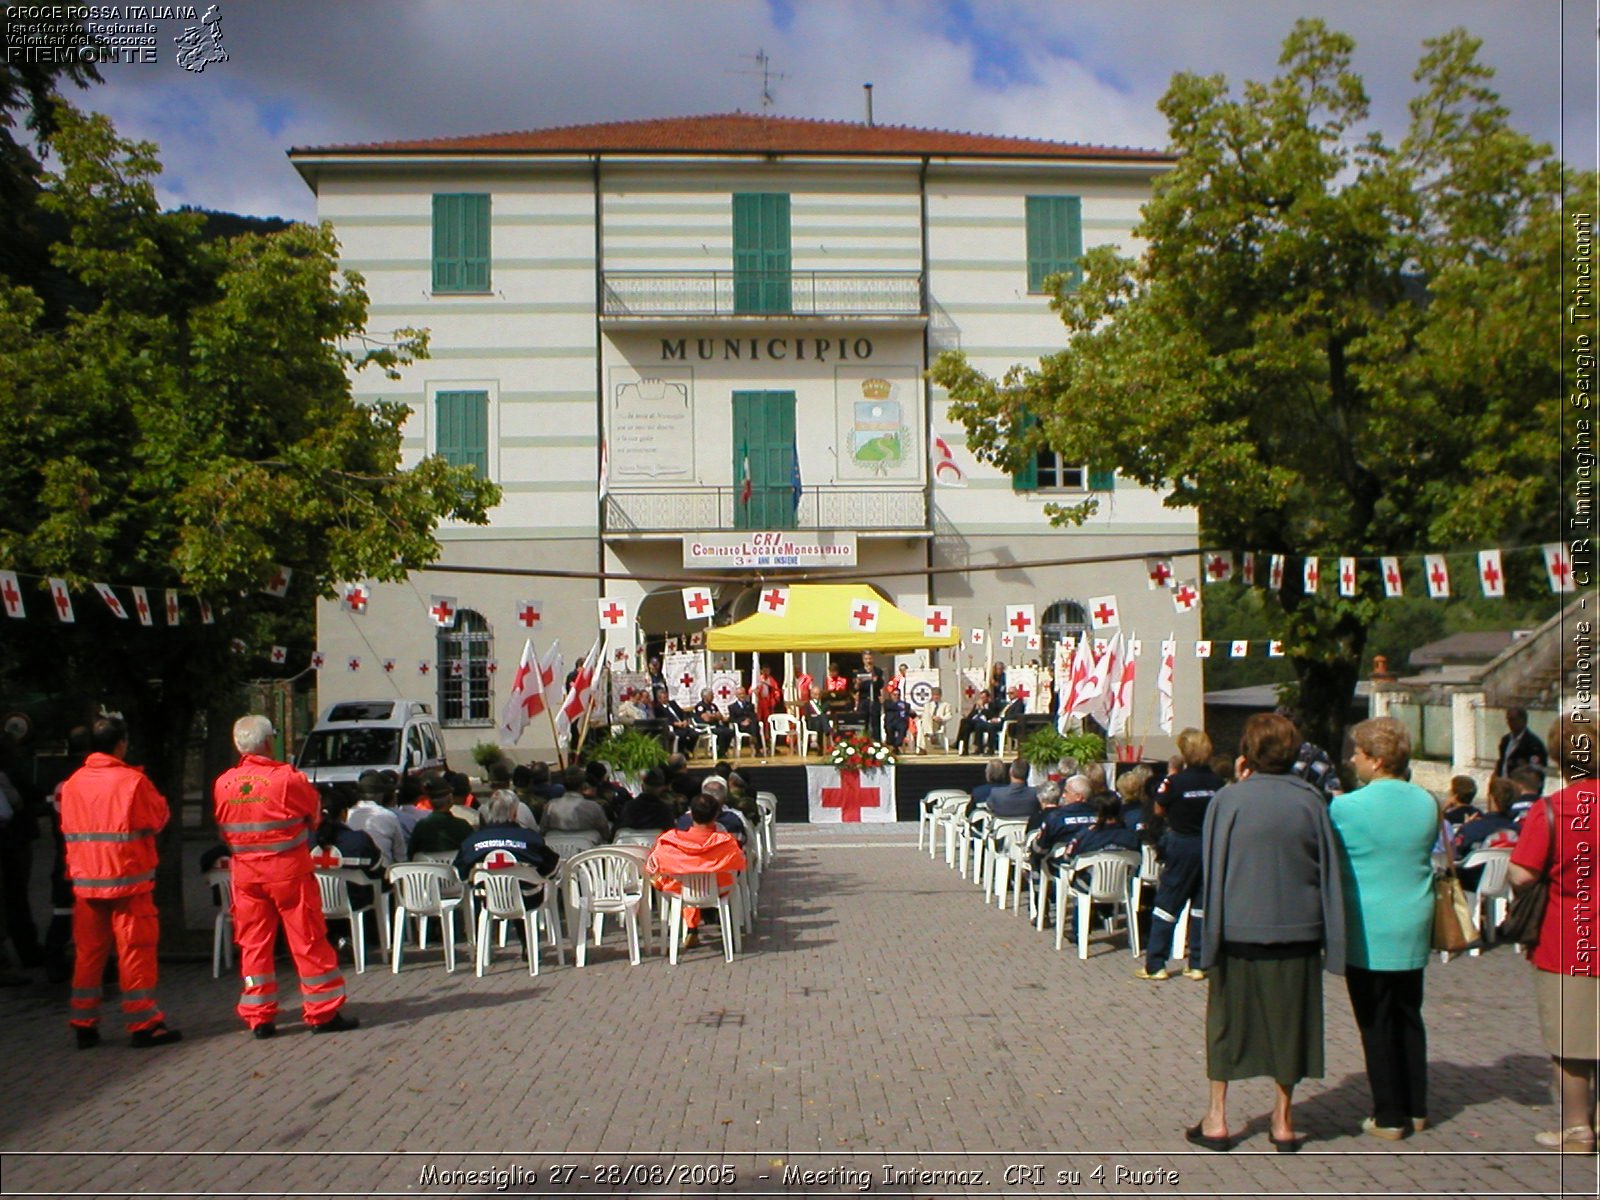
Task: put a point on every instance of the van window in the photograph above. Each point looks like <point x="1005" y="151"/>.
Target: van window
<point x="416" y="752"/>
<point x="435" y="750"/>
<point x="350" y="748"/>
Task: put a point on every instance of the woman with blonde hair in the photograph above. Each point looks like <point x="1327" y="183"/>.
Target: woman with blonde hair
<point x="1181" y="803"/>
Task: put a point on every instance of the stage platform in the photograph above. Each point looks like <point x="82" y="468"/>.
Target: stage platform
<point x="915" y="776"/>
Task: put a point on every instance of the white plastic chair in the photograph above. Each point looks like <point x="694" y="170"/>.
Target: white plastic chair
<point x="567" y="843"/>
<point x="603" y="881"/>
<point x="949" y="807"/>
<point x="1003" y="842"/>
<point x="453" y="885"/>
<point x="741" y="737"/>
<point x="1494" y="891"/>
<point x="768" y="804"/>
<point x="1008" y="733"/>
<point x="222" y="928"/>
<point x="1108" y="872"/>
<point x="418" y="888"/>
<point x="337" y="905"/>
<point x="699" y="890"/>
<point x="783" y="725"/>
<point x="498" y="882"/>
<point x="633" y="837"/>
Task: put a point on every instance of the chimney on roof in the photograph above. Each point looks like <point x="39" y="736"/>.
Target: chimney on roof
<point x="867" y="87"/>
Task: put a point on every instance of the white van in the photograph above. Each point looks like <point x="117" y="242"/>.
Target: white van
<point x="372" y="735"/>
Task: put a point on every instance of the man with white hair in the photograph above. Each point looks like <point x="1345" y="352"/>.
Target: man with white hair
<point x="1071" y="817"/>
<point x="267" y="813"/>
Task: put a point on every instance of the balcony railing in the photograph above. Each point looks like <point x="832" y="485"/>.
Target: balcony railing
<point x="701" y="509"/>
<point x="763" y="293"/>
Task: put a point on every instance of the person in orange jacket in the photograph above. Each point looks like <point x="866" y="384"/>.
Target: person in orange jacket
<point x="705" y="847"/>
<point x="267" y="813"/>
<point x="110" y="815"/>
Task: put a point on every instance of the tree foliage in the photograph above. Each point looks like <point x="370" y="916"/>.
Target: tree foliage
<point x="1329" y="345"/>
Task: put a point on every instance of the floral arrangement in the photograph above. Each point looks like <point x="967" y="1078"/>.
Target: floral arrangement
<point x="858" y="752"/>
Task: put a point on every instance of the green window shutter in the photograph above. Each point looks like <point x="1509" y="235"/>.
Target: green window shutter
<point x="462" y="439"/>
<point x="1102" y="479"/>
<point x="761" y="252"/>
<point x="1055" y="239"/>
<point x="1026" y="478"/>
<point x="461" y="242"/>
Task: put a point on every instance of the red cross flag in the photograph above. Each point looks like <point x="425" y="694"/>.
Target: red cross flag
<point x="355" y="599"/>
<point x="1239" y="649"/>
<point x="317" y="660"/>
<point x="864" y="616"/>
<point x="11" y="593"/>
<point x="279" y="655"/>
<point x="1019" y="619"/>
<point x="1393" y="584"/>
<point x="1219" y="568"/>
<point x="1165" y="679"/>
<point x="354" y="663"/>
<point x="977" y="637"/>
<point x="613" y="613"/>
<point x="936" y="618"/>
<point x="457" y="668"/>
<point x="62" y="601"/>
<point x="172" y="607"/>
<point x="206" y="616"/>
<point x="141" y="605"/>
<point x="697" y="604"/>
<point x="946" y="470"/>
<point x="1312" y="578"/>
<point x="1033" y="641"/>
<point x="575" y="704"/>
<point x="1275" y="572"/>
<point x="110" y="597"/>
<point x="423" y="666"/>
<point x="1185" y="596"/>
<point x="774" y="601"/>
<point x="527" y="698"/>
<point x="1202" y="649"/>
<point x="442" y="609"/>
<point x="1103" y="612"/>
<point x="530" y="613"/>
<point x="836" y="796"/>
<point x="277" y="583"/>
<point x="1159" y="572"/>
<point x="388" y="666"/>
<point x="1491" y="575"/>
<point x="1122" y="697"/>
<point x="1247" y="571"/>
<point x="1438" y="576"/>
<point x="1008" y="639"/>
<point x="1274" y="649"/>
<point x="1559" y="568"/>
<point x="237" y="645"/>
<point x="1347" y="577"/>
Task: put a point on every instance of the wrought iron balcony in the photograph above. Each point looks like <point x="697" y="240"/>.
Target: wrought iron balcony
<point x="690" y="509"/>
<point x="701" y="294"/>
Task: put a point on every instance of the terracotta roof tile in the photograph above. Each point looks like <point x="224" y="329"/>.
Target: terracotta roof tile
<point x="746" y="133"/>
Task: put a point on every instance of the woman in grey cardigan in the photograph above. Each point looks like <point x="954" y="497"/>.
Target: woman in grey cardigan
<point x="1274" y="917"/>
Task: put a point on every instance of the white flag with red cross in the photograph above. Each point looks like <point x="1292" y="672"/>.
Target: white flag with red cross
<point x="353" y="663"/>
<point x="11" y="592"/>
<point x="774" y="601"/>
<point x="1159" y="572"/>
<point x="863" y="616"/>
<point x="530" y="613"/>
<point x="279" y="655"/>
<point x="237" y="645"/>
<point x="110" y="597"/>
<point x="526" y="700"/>
<point x="837" y="796"/>
<point x="977" y="636"/>
<point x="277" y="583"/>
<point x="1185" y="596"/>
<point x="1202" y="649"/>
<point x="1558" y="568"/>
<point x="1122" y="696"/>
<point x="207" y="617"/>
<point x="1491" y="575"/>
<point x="1078" y="673"/>
<point x="1165" y="707"/>
<point x="697" y="604"/>
<point x="1087" y="697"/>
<point x="318" y="659"/>
<point x="1274" y="649"/>
<point x="613" y="613"/>
<point x="1393" y="582"/>
<point x="1438" y="576"/>
<point x="1008" y="639"/>
<point x="553" y="674"/>
<point x="1019" y="620"/>
<point x="1103" y="612"/>
<point x="1239" y="648"/>
<point x="1247" y="571"/>
<point x="389" y="665"/>
<point x="1347" y="576"/>
<point x="424" y="667"/>
<point x="936" y="618"/>
<point x="580" y="695"/>
<point x="62" y="600"/>
<point x="172" y="607"/>
<point x="1219" y="568"/>
<point x="1107" y="672"/>
<point x="355" y="599"/>
<point x="1275" y="572"/>
<point x="1311" y="579"/>
<point x="442" y="610"/>
<point x="141" y="605"/>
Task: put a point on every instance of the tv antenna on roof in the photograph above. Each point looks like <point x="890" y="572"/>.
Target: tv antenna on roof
<point x="768" y="77"/>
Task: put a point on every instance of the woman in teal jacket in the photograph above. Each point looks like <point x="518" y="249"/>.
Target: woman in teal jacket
<point x="1386" y="831"/>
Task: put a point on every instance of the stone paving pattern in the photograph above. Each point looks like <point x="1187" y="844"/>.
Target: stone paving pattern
<point x="882" y="1015"/>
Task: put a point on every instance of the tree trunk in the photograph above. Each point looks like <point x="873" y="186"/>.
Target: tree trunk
<point x="1326" y="689"/>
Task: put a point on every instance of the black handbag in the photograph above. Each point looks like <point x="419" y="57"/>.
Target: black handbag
<point x="1525" y="915"/>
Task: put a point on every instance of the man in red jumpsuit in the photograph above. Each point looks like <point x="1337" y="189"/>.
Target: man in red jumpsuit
<point x="110" y="815"/>
<point x="266" y="813"/>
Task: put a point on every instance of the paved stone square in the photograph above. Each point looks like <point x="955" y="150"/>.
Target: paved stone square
<point x="883" y="1031"/>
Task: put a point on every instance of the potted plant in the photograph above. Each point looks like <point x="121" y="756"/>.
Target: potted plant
<point x="488" y="756"/>
<point x="630" y="754"/>
<point x="1045" y="747"/>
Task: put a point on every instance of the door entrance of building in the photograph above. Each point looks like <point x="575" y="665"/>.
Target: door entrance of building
<point x="764" y="454"/>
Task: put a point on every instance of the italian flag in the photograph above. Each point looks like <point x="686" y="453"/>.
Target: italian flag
<point x="746" y="484"/>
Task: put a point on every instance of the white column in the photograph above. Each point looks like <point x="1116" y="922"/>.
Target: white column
<point x="1464" y="708"/>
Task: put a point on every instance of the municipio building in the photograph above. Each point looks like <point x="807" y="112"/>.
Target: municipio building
<point x="695" y="350"/>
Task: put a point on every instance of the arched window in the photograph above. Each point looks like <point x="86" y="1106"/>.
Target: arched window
<point x="465" y="648"/>
<point x="1065" y="620"/>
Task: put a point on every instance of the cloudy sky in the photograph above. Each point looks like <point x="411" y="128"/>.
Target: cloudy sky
<point x="314" y="72"/>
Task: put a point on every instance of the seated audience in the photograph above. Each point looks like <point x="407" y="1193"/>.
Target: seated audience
<point x="649" y="809"/>
<point x="1016" y="799"/>
<point x="704" y="847"/>
<point x="1529" y="783"/>
<point x="1494" y="830"/>
<point x="373" y="814"/>
<point x="358" y="851"/>
<point x="575" y="812"/>
<point x="1130" y="790"/>
<point x="1459" y="808"/>
<point x="442" y="829"/>
<point x="499" y="830"/>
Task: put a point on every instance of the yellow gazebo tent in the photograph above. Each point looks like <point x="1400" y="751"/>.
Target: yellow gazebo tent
<point x="818" y="617"/>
